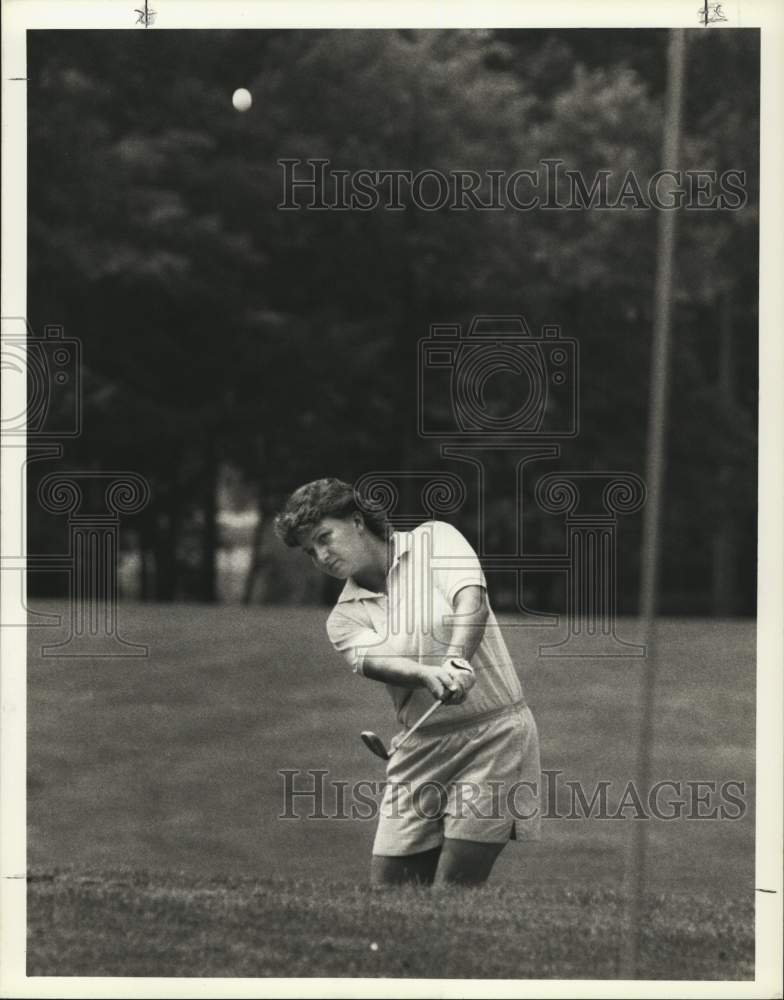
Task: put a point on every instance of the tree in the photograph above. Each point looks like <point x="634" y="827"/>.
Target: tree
<point x="219" y="330"/>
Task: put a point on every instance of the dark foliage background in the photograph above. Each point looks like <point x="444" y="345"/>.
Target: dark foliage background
<point x="233" y="351"/>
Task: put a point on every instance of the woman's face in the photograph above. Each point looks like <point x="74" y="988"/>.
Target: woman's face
<point x="337" y="546"/>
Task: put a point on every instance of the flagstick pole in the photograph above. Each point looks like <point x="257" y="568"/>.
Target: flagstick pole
<point x="655" y="471"/>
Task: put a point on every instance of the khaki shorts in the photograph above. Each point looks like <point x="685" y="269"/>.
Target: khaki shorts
<point x="478" y="782"/>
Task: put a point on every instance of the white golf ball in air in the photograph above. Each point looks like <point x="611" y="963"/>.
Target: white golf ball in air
<point x="373" y="946"/>
<point x="241" y="99"/>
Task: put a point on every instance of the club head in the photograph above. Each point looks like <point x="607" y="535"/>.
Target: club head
<point x="374" y="744"/>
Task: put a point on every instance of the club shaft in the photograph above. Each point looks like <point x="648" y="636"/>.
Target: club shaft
<point x="418" y="723"/>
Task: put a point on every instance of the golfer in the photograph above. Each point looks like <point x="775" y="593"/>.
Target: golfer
<point x="466" y="781"/>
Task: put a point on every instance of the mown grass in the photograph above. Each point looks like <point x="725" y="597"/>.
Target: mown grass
<point x="137" y="924"/>
<point x="171" y="764"/>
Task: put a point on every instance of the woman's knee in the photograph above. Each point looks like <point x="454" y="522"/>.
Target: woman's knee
<point x="466" y="862"/>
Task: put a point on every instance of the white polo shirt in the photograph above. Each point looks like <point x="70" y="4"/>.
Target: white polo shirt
<point x="414" y="619"/>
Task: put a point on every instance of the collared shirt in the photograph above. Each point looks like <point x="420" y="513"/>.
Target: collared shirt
<point x="414" y="619"/>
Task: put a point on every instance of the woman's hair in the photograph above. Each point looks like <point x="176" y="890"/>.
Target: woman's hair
<point x="326" y="498"/>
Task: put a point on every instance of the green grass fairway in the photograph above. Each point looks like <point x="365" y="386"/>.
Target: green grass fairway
<point x="144" y="925"/>
<point x="170" y="765"/>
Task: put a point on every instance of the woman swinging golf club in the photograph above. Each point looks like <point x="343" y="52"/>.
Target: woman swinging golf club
<point x="414" y="615"/>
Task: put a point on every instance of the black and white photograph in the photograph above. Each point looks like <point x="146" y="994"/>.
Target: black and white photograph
<point x="391" y="496"/>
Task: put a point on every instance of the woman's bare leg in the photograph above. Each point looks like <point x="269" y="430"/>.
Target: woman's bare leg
<point x="409" y="869"/>
<point x="466" y="862"/>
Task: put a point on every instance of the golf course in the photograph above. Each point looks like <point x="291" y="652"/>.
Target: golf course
<point x="156" y="788"/>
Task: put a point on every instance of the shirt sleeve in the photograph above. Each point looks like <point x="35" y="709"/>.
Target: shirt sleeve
<point x="351" y="638"/>
<point x="455" y="564"/>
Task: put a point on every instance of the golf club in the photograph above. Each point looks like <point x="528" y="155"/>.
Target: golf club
<point x="374" y="742"/>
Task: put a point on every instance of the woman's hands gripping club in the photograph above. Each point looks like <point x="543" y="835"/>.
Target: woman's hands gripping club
<point x="450" y="682"/>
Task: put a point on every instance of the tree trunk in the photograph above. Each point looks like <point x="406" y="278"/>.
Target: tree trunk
<point x="724" y="540"/>
<point x="163" y="536"/>
<point x="145" y="562"/>
<point x="256" y="556"/>
<point x="209" y="538"/>
<point x="165" y="577"/>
